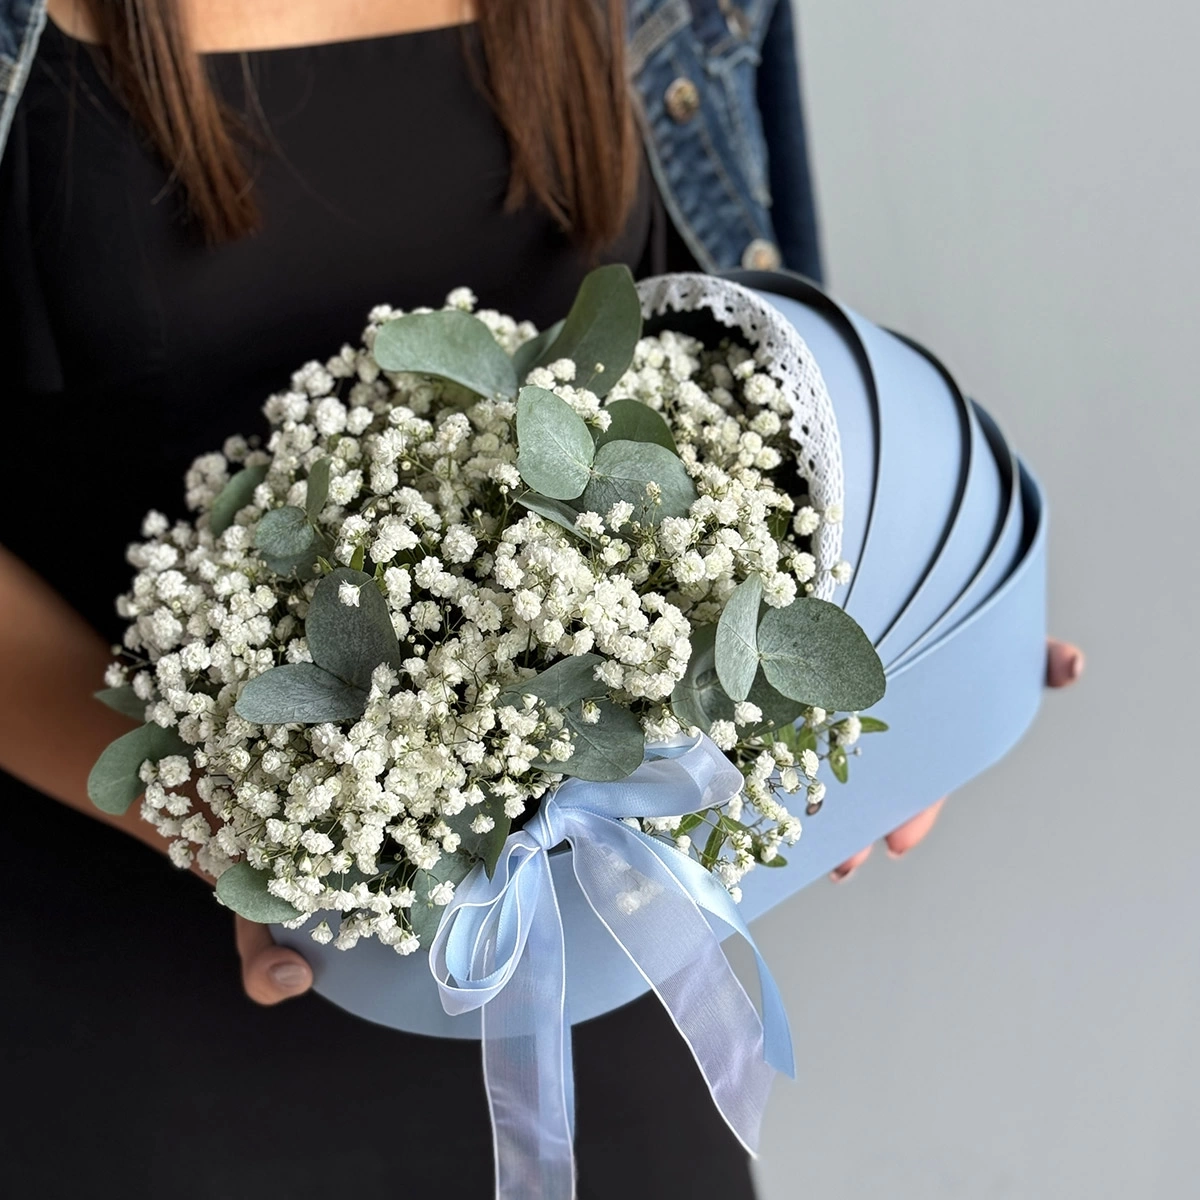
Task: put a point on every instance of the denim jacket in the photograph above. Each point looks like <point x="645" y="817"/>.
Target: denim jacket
<point x="719" y="104"/>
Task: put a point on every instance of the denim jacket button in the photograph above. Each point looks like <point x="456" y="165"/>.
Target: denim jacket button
<point x="761" y="255"/>
<point x="682" y="99"/>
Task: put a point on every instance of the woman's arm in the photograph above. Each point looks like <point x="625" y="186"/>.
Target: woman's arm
<point x="52" y="729"/>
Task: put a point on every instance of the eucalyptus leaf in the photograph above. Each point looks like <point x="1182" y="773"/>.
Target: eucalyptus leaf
<point x="123" y="700"/>
<point x="531" y="354"/>
<point x="555" y="448"/>
<point x="114" y="783"/>
<point x="623" y="469"/>
<point x="558" y="511"/>
<point x="873" y="725"/>
<point x="778" y="711"/>
<point x="566" y="682"/>
<point x="350" y="641"/>
<point x="451" y="345"/>
<point x="602" y="328"/>
<point x="611" y="749"/>
<point x="318" y="488"/>
<point x="424" y="914"/>
<point x="485" y="847"/>
<point x="737" y="638"/>
<point x="633" y="421"/>
<point x="300" y="694"/>
<point x="233" y="497"/>
<point x="699" y="699"/>
<point x="814" y="652"/>
<point x="243" y="888"/>
<point x="284" y="533"/>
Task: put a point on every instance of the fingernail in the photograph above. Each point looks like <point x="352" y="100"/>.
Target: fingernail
<point x="897" y="853"/>
<point x="1075" y="666"/>
<point x="842" y="874"/>
<point x="288" y="976"/>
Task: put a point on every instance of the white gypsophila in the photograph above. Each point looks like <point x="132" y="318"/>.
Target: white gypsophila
<point x="482" y="595"/>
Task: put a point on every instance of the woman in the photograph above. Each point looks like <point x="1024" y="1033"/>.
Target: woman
<point x="174" y="248"/>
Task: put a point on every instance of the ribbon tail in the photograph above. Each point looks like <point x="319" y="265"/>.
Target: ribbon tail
<point x="659" y="925"/>
<point x="527" y="1060"/>
<point x="709" y="894"/>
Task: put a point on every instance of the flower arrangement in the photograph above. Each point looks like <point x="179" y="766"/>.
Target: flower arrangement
<point x="471" y="561"/>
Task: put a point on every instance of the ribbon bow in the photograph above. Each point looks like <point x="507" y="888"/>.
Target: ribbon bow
<point x="500" y="948"/>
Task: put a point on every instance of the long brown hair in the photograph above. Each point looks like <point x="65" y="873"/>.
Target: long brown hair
<point x="553" y="70"/>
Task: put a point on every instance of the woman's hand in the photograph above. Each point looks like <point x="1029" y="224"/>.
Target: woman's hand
<point x="1064" y="665"/>
<point x="270" y="973"/>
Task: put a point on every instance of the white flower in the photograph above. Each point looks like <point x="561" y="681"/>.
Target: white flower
<point x="745" y="713"/>
<point x="816" y="793"/>
<point x="806" y="521"/>
<point x="816" y="716"/>
<point x="848" y="730"/>
<point x="442" y="893"/>
<point x="724" y="734"/>
<point x="842" y="572"/>
<point x="348" y="594"/>
<point x="809" y="764"/>
<point x="833" y="514"/>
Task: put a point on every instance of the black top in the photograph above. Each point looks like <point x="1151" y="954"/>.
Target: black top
<point x="134" y="1065"/>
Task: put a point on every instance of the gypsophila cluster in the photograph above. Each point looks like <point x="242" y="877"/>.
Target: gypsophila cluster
<point x="353" y="817"/>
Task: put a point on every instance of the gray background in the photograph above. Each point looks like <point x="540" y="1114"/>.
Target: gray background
<point x="1011" y="1010"/>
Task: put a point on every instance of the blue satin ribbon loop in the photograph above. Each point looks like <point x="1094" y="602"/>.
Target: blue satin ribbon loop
<point x="500" y="949"/>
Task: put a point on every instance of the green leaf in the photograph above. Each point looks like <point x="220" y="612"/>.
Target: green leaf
<point x="451" y="345"/>
<point x="233" y="497"/>
<point x="737" y="638"/>
<point x="872" y="725"/>
<point x="603" y="328"/>
<point x="814" y="652"/>
<point x="424" y="914"/>
<point x="689" y="823"/>
<point x="350" y="641"/>
<point x="779" y="711"/>
<point x="698" y="697"/>
<point x="839" y="764"/>
<point x="123" y="700"/>
<point x="284" y="532"/>
<point x="633" y="421"/>
<point x="555" y="449"/>
<point x="287" y="542"/>
<point x="557" y="511"/>
<point x="113" y="783"/>
<point x="777" y="861"/>
<point x="244" y="889"/>
<point x="358" y="558"/>
<point x="609" y="750"/>
<point x="299" y="694"/>
<point x="318" y="488"/>
<point x="622" y="470"/>
<point x="531" y="354"/>
<point x="485" y="847"/>
<point x="564" y="683"/>
<point x="806" y="739"/>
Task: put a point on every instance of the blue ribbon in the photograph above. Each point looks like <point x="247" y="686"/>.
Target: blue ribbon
<point x="500" y="948"/>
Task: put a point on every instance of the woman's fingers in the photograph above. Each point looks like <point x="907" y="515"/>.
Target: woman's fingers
<point x="851" y="864"/>
<point x="270" y="973"/>
<point x="902" y="840"/>
<point x="1064" y="663"/>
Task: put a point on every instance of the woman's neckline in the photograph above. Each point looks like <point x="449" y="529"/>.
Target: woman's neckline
<point x="370" y="39"/>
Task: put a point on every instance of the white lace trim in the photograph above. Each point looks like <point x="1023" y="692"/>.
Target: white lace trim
<point x="782" y="352"/>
